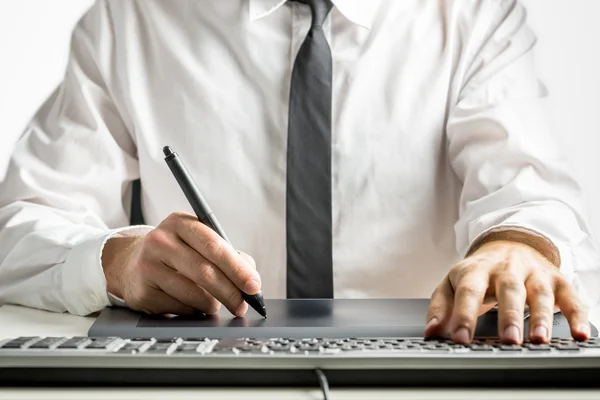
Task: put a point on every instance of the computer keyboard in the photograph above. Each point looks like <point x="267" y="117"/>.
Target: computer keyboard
<point x="278" y="346"/>
<point x="288" y="361"/>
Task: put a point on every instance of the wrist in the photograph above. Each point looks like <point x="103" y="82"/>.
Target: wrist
<point x="115" y="257"/>
<point x="532" y="240"/>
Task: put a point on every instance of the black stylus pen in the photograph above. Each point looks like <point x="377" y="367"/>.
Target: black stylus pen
<point x="205" y="214"/>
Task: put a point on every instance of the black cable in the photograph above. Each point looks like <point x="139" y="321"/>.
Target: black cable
<point x="323" y="383"/>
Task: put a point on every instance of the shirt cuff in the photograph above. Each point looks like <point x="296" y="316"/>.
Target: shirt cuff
<point x="83" y="282"/>
<point x="520" y="234"/>
<point x="563" y="250"/>
<point x="116" y="301"/>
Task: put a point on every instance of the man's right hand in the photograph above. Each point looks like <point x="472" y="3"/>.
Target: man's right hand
<point x="181" y="267"/>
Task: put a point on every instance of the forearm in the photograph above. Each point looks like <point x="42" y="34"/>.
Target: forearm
<point x="49" y="262"/>
<point x="66" y="184"/>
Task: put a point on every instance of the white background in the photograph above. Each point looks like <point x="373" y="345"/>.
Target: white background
<point x="34" y="41"/>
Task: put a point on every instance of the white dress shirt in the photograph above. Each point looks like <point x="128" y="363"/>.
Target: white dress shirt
<point x="439" y="137"/>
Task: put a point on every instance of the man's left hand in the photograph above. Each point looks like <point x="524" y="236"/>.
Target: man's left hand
<point x="511" y="275"/>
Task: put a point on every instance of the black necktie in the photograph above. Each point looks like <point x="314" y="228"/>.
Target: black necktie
<point x="308" y="202"/>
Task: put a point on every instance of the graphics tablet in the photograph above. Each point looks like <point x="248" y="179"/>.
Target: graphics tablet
<point x="331" y="318"/>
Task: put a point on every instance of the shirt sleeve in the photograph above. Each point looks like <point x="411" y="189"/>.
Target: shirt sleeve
<point x="67" y="184"/>
<point x="513" y="172"/>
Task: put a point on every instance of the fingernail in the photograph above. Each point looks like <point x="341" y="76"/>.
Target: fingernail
<point x="540" y="331"/>
<point x="252" y="287"/>
<point x="462" y="335"/>
<point x="585" y="329"/>
<point x="433" y="321"/>
<point x="512" y="333"/>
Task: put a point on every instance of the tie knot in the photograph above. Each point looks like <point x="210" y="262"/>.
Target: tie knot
<point x="319" y="9"/>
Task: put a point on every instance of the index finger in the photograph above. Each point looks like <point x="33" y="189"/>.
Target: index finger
<point x="218" y="251"/>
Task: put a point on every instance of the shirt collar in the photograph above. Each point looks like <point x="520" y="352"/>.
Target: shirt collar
<point x="359" y="12"/>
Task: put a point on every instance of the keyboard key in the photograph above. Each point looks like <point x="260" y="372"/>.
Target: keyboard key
<point x="510" y="347"/>
<point x="281" y="347"/>
<point x="172" y="340"/>
<point x="158" y="348"/>
<point x="20" y="342"/>
<point x="436" y="348"/>
<point x="566" y="347"/>
<point x="131" y="348"/>
<point x="26" y="339"/>
<point x="249" y="347"/>
<point x="191" y="344"/>
<point x="589" y="345"/>
<point x="12" y="345"/>
<point x="186" y="351"/>
<point x="482" y="347"/>
<point x="308" y="347"/>
<point x="134" y="345"/>
<point x="257" y="342"/>
<point x="187" y="348"/>
<point x="539" y="347"/>
<point x="277" y="342"/>
<point x="333" y="345"/>
<point x="194" y="339"/>
<point x="226" y="346"/>
<point x="222" y="350"/>
<point x="46" y="343"/>
<point x="254" y="350"/>
<point x="73" y="343"/>
<point x="100" y="343"/>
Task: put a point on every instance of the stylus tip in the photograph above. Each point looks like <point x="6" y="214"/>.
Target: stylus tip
<point x="167" y="151"/>
<point x="262" y="311"/>
<point x="257" y="302"/>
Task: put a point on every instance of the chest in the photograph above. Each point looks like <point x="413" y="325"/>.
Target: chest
<point x="224" y="80"/>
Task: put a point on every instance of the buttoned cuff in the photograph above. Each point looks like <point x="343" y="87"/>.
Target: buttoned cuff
<point x="563" y="250"/>
<point x="519" y="234"/>
<point x="83" y="281"/>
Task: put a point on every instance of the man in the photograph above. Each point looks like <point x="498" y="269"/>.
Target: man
<point x="353" y="149"/>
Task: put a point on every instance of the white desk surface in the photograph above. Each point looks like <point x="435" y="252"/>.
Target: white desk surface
<point x="19" y="321"/>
